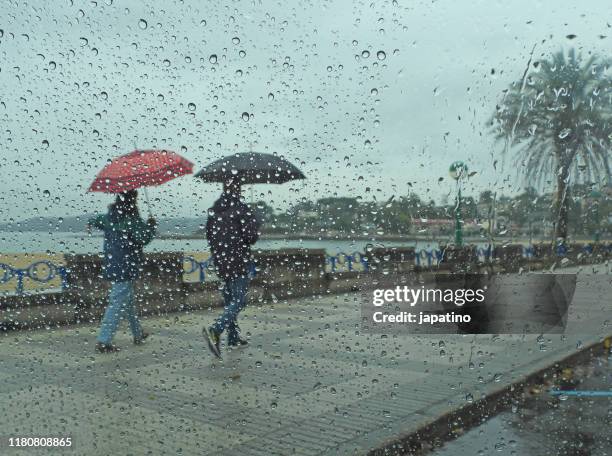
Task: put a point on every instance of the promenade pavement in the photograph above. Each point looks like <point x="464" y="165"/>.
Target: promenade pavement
<point x="310" y="382"/>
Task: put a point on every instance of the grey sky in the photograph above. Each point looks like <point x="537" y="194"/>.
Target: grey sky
<point x="89" y="80"/>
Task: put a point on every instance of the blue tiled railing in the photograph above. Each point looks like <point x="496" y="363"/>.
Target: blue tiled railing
<point x="35" y="272"/>
<point x="205" y="268"/>
<point x="46" y="271"/>
<point x="348" y="259"/>
<point x="192" y="265"/>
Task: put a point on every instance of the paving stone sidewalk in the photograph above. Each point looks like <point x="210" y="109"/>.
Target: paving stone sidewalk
<point x="310" y="382"/>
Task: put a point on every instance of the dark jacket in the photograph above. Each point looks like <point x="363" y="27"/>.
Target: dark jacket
<point x="124" y="238"/>
<point x="231" y="228"/>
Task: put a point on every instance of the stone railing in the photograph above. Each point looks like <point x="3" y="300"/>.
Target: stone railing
<point x="280" y="274"/>
<point x="160" y="283"/>
<point x="44" y="272"/>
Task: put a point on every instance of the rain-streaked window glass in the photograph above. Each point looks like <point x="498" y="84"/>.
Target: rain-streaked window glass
<point x="314" y="228"/>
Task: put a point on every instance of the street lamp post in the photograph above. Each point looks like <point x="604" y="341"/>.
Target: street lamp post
<point x="458" y="170"/>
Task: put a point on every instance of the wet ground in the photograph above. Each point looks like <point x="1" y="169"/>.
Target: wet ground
<point x="309" y="383"/>
<point x="544" y="424"/>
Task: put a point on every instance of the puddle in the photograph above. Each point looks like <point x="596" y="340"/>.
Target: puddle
<point x="544" y="424"/>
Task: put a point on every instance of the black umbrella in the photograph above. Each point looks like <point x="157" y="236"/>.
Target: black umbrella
<point x="251" y="168"/>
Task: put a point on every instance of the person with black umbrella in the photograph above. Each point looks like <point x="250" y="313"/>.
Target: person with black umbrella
<point x="232" y="228"/>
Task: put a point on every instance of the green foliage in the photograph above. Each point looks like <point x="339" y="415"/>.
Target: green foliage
<point x="264" y="211"/>
<point x="558" y="119"/>
<point x="559" y="116"/>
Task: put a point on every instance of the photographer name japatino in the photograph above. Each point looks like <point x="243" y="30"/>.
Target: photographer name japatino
<point x="412" y="296"/>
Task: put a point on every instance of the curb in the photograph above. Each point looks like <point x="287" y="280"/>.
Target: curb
<point x="444" y="428"/>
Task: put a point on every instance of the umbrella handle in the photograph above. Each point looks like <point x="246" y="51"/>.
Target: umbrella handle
<point x="146" y="194"/>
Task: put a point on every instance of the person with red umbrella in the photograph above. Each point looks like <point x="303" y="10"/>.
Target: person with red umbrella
<point x="126" y="233"/>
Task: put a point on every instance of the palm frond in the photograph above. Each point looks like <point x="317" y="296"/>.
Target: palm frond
<point x="561" y="116"/>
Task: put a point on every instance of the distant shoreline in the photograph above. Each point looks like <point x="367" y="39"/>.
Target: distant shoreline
<point x="415" y="238"/>
<point x="376" y="238"/>
<point x="315" y="237"/>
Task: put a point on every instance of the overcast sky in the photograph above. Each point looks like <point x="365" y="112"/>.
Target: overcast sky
<point x="81" y="82"/>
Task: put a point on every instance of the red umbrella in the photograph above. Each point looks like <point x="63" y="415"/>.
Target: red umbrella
<point x="140" y="168"/>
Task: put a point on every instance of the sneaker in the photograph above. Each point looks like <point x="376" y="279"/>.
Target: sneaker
<point x="214" y="341"/>
<point x="141" y="339"/>
<point x="238" y="343"/>
<point x="106" y="348"/>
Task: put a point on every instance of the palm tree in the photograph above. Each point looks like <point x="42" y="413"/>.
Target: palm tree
<point x="558" y="120"/>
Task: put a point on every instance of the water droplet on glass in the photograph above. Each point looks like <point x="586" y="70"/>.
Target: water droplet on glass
<point x="213" y="58"/>
<point x="579" y="345"/>
<point x="142" y="24"/>
<point x="191" y="106"/>
<point x="381" y="55"/>
<point x="564" y="133"/>
<point x="271" y="96"/>
<point x="245" y="116"/>
<point x="365" y="54"/>
<point x="236" y="40"/>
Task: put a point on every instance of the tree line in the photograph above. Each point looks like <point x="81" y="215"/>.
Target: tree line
<point x="528" y="212"/>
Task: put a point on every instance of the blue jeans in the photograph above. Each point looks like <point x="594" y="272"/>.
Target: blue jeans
<point x="234" y="293"/>
<point x="120" y="300"/>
